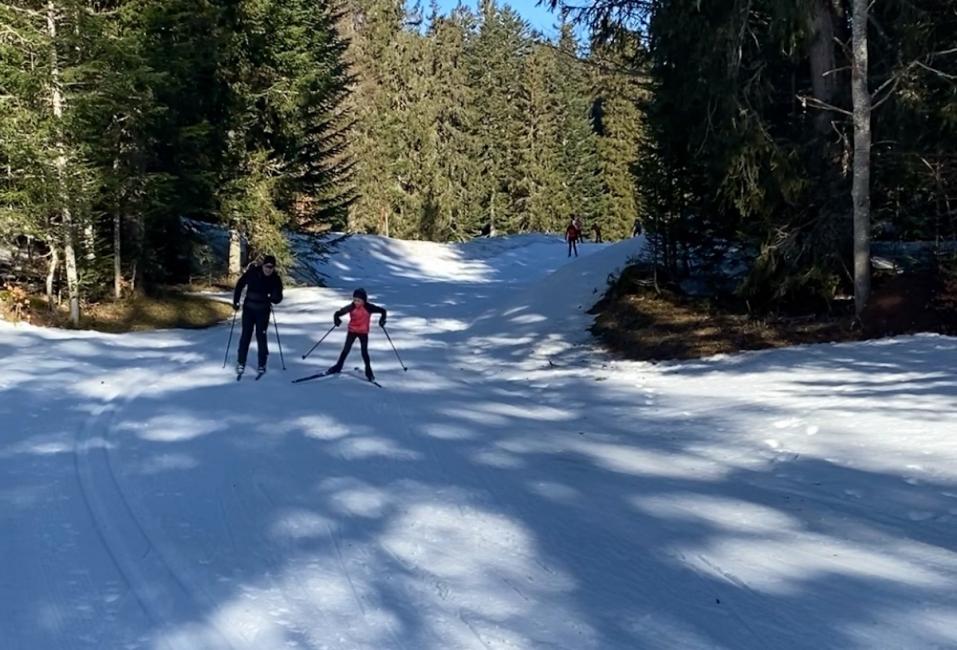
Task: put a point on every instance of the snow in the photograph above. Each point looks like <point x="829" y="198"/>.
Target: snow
<point x="516" y="488"/>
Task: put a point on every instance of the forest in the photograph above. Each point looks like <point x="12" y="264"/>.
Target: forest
<point x="784" y="139"/>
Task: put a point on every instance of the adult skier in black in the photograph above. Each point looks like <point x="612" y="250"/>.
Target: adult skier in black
<point x="263" y="290"/>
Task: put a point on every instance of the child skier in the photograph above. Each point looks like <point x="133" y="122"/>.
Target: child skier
<point x="571" y="236"/>
<point x="360" y="311"/>
<point x="263" y="290"/>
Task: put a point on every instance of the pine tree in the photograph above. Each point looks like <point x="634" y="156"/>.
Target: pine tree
<point x="454" y="194"/>
<point x="47" y="57"/>
<point x="578" y="163"/>
<point x="495" y="60"/>
<point x="619" y="124"/>
<point x="539" y="187"/>
<point x="371" y="27"/>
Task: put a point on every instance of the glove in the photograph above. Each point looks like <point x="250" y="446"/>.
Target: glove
<point x="235" y="306"/>
<point x="382" y="322"/>
<point x="337" y="321"/>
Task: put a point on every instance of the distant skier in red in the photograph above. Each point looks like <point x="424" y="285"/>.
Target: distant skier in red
<point x="572" y="233"/>
<point x="360" y="311"/>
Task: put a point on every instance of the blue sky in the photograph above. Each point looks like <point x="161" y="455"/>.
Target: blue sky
<point x="540" y="18"/>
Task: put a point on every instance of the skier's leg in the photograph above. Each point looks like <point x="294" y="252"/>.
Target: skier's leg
<point x="364" y="346"/>
<point x="249" y="322"/>
<point x="350" y="339"/>
<point x="262" y="339"/>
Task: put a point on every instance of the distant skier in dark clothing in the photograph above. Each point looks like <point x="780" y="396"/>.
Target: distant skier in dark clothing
<point x="597" y="230"/>
<point x="571" y="236"/>
<point x="263" y="290"/>
<point x="360" y="311"/>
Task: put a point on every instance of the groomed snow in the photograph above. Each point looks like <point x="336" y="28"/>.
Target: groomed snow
<point x="516" y="488"/>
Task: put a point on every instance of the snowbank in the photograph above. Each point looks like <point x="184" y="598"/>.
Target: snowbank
<point x="547" y="316"/>
<point x="368" y="259"/>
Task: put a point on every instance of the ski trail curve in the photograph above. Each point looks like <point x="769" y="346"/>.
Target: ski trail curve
<point x="160" y="592"/>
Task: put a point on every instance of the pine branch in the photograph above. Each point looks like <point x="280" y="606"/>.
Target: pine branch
<point x="615" y="70"/>
<point x="29" y="12"/>
<point x="9" y="31"/>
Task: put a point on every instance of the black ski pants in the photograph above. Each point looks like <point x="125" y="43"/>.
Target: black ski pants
<point x="364" y="346"/>
<point x="258" y="319"/>
<point x="572" y="246"/>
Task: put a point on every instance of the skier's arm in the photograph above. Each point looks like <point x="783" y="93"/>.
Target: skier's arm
<point x="275" y="296"/>
<point x="337" y="317"/>
<point x="238" y="291"/>
<point x="376" y="309"/>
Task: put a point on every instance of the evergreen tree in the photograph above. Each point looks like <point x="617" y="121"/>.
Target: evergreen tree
<point x="455" y="181"/>
<point x="578" y="165"/>
<point x="619" y="122"/>
<point x="47" y="67"/>
<point x="371" y="27"/>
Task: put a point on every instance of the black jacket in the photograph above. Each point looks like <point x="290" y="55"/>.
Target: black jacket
<point x="261" y="289"/>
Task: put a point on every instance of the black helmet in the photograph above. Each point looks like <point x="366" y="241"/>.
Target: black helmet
<point x="361" y="293"/>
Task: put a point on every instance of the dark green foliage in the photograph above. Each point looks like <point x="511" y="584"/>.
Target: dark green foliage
<point x="748" y="148"/>
<point x="227" y="111"/>
<point x="471" y="120"/>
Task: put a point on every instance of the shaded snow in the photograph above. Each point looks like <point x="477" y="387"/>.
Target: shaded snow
<point x="515" y="488"/>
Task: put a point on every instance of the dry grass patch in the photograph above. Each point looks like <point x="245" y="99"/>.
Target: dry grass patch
<point x="136" y="314"/>
<point x="638" y="322"/>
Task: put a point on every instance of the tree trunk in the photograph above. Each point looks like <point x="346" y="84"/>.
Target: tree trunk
<point x="823" y="62"/>
<point x="117" y="239"/>
<point x="235" y="254"/>
<point x="117" y="258"/>
<point x="136" y="238"/>
<point x="51" y="275"/>
<point x="69" y="234"/>
<point x="89" y="243"/>
<point x="860" y="192"/>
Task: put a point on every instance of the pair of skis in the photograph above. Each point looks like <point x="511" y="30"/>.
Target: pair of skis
<point x="326" y="373"/>
<point x="259" y="374"/>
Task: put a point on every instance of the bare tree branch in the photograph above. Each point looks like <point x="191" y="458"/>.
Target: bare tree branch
<point x="843" y="68"/>
<point x="894" y="79"/>
<point x="935" y="70"/>
<point x="817" y="103"/>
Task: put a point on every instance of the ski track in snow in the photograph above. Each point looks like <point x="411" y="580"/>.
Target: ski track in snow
<point x="515" y="489"/>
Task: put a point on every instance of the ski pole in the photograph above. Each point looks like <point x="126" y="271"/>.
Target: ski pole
<point x="278" y="340"/>
<point x="393" y="348"/>
<point x="230" y="341"/>
<point x="319" y="341"/>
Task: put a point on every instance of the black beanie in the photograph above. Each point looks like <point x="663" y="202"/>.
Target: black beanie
<point x="269" y="259"/>
<point x="361" y="293"/>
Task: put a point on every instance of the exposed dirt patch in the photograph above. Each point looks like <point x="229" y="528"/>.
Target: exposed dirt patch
<point x="139" y="313"/>
<point x="638" y="322"/>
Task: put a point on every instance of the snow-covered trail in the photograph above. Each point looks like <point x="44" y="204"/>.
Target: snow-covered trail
<point x="504" y="493"/>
